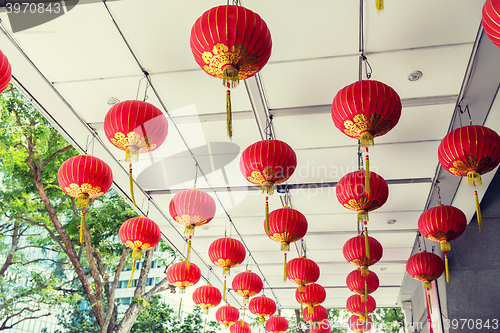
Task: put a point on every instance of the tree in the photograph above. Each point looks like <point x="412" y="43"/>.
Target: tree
<point x="391" y="318"/>
<point x="32" y="152"/>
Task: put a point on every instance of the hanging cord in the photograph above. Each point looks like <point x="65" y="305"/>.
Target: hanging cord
<point x="139" y="87"/>
<point x="368" y="68"/>
<point x="360" y="156"/>
<point x="436" y="185"/>
<point x="195" y="174"/>
<point x="269" y="130"/>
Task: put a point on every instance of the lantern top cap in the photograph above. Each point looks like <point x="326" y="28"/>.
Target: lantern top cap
<point x="286" y="206"/>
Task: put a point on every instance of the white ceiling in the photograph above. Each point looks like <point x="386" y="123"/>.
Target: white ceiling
<point x="315" y="53"/>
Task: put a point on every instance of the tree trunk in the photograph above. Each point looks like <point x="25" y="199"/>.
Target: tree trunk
<point x="13" y="249"/>
<point x="297" y="317"/>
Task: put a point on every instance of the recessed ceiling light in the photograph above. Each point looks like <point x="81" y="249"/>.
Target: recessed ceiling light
<point x="391" y="221"/>
<point x="383" y="268"/>
<point x="414" y="76"/>
<point x="113" y="100"/>
<point x="205" y="227"/>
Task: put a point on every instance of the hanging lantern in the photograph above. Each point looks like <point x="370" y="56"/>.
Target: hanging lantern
<point x="362" y="284"/>
<point x="227" y="315"/>
<point x="139" y="234"/>
<point x="262" y="307"/>
<point x="319" y="314"/>
<point x="355" y="252"/>
<point x="227" y="253"/>
<point x="313" y="295"/>
<point x="247" y="284"/>
<point x="470" y="151"/>
<point x="425" y="267"/>
<point x="302" y="271"/>
<point x="351" y="194"/>
<point x="364" y="110"/>
<point x="355" y="305"/>
<point x="207" y="297"/>
<point x="84" y="177"/>
<point x="240" y="326"/>
<point x="379" y="4"/>
<point x="491" y="20"/>
<point x="323" y="327"/>
<point x="360" y="324"/>
<point x="286" y="225"/>
<point x="5" y="72"/>
<point x="179" y="276"/>
<point x="442" y="224"/>
<point x="276" y="324"/>
<point x="192" y="208"/>
<point x="136" y="127"/>
<point x="240" y="51"/>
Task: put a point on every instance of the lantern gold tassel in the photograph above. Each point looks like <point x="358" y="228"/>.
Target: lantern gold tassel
<point x="427" y="285"/>
<point x="243" y="318"/>
<point x="131" y="280"/>
<point x="82" y="226"/>
<point x="224" y="291"/>
<point x="447" y="269"/>
<point x="131" y="181"/>
<point x="82" y="200"/>
<point x="204" y="325"/>
<point x="302" y="288"/>
<point x="262" y="320"/>
<point x="478" y="211"/>
<point x="230" y="76"/>
<point x="310" y="309"/>
<point x="229" y="114"/>
<point x="367" y="244"/>
<point x="182" y="290"/>
<point x="474" y="179"/>
<point x="301" y="308"/>
<point x="366" y="138"/>
<point x="268" y="187"/>
<point x="180" y="306"/>
<point x="189" y="229"/>
<point x="188" y="255"/>
<point x="367" y="174"/>
<point x="245" y="302"/>
<point x="267" y="215"/>
<point x="365" y="270"/>
<point x="285" y="246"/>
<point x="226" y="271"/>
<point x="364" y="298"/>
<point x="379" y="4"/>
<point x="284" y="270"/>
<point x="445" y="246"/>
<point x="132" y="154"/>
<point x="362" y="216"/>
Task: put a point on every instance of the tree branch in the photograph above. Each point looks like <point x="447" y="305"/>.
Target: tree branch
<point x="97" y="305"/>
<point x="13" y="249"/>
<point x="54" y="155"/>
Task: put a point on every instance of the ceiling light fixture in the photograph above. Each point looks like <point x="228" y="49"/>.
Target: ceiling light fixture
<point x="414" y="76"/>
<point x="113" y="100"/>
<point x="383" y="268"/>
<point x="391" y="221"/>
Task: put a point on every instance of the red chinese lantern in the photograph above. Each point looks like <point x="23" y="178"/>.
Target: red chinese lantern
<point x="355" y="252"/>
<point x="491" y="20"/>
<point x="313" y="295"/>
<point x="425" y="267"/>
<point x="276" y="324"/>
<point x="227" y="315"/>
<point x="262" y="307"/>
<point x="240" y="326"/>
<point x="355" y="305"/>
<point x="136" y="127"/>
<point x="139" y="234"/>
<point x="227" y="253"/>
<point x="350" y="191"/>
<point x="192" y="208"/>
<point x="302" y="271"/>
<point x="362" y="284"/>
<point x="319" y="314"/>
<point x="5" y="72"/>
<point x="470" y="151"/>
<point x="207" y="297"/>
<point x="360" y="324"/>
<point x="286" y="225"/>
<point x="442" y="224"/>
<point x="364" y="110"/>
<point x="84" y="177"/>
<point x="179" y="276"/>
<point x="238" y="52"/>
<point x="323" y="327"/>
<point x="247" y="284"/>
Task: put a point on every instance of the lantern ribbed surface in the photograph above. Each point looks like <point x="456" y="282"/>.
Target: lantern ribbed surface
<point x="354" y="251"/>
<point x="238" y="327"/>
<point x="359" y="324"/>
<point x="247" y="284"/>
<point x="366" y="109"/>
<point x="323" y="327"/>
<point x="355" y="305"/>
<point x="442" y="224"/>
<point x="356" y="282"/>
<point x="136" y="127"/>
<point x="302" y="271"/>
<point x="226" y="253"/>
<point x="267" y="163"/>
<point x="178" y="275"/>
<point x="231" y="36"/>
<point x="207" y="297"/>
<point x="276" y="324"/>
<point x="262" y="307"/>
<point x="85" y="175"/>
<point x="227" y="315"/>
<point x="350" y="191"/>
<point x="313" y="295"/>
<point x="5" y="72"/>
<point x="192" y="208"/>
<point x="491" y="20"/>
<point x="319" y="314"/>
<point x="140" y="233"/>
<point x="286" y="225"/>
<point x="425" y="266"/>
